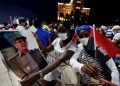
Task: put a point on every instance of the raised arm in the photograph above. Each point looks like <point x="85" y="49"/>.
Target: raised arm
<point x="41" y="46"/>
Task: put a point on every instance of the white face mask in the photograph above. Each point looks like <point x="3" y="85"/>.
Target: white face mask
<point x="84" y="41"/>
<point x="63" y="36"/>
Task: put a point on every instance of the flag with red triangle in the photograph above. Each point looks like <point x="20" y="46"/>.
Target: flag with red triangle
<point x="104" y="44"/>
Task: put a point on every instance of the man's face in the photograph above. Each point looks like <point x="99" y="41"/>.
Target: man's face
<point x="21" y="44"/>
<point x="83" y="37"/>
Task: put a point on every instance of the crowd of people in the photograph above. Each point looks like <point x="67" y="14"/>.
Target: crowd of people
<point x="65" y="59"/>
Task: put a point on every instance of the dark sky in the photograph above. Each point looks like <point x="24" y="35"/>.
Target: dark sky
<point x="27" y="8"/>
<point x="103" y="9"/>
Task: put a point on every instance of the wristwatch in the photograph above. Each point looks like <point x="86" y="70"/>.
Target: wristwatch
<point x="41" y="75"/>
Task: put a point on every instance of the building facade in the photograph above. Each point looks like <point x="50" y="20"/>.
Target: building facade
<point x="68" y="8"/>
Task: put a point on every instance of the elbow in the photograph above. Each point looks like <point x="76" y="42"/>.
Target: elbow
<point x="68" y="55"/>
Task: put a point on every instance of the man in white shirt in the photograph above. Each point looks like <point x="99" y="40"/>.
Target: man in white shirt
<point x="22" y="24"/>
<point x="27" y="33"/>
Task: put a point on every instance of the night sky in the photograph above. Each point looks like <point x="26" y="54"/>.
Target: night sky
<point x="48" y="8"/>
<point x="104" y="11"/>
<point x="27" y="8"/>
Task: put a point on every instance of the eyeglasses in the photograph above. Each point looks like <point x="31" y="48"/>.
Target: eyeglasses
<point x="20" y="41"/>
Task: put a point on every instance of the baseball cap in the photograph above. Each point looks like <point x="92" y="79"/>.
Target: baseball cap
<point x="18" y="36"/>
<point x="84" y="27"/>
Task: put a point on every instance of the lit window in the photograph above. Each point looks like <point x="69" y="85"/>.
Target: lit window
<point x="77" y="7"/>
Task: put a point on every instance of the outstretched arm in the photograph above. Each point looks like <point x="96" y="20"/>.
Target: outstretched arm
<point x="34" y="77"/>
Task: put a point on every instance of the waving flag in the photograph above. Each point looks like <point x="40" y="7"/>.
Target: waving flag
<point x="104" y="51"/>
<point x="104" y="44"/>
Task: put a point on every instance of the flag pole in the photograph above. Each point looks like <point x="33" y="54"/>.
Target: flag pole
<point x="94" y="37"/>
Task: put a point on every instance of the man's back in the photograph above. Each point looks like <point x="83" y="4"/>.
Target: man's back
<point x="43" y="35"/>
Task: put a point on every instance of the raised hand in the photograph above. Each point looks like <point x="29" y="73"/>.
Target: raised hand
<point x="107" y="83"/>
<point x="30" y="79"/>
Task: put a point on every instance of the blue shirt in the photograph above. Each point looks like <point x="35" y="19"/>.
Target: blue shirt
<point x="43" y="35"/>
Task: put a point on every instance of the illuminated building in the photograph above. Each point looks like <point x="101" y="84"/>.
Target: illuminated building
<point x="67" y="8"/>
<point x="64" y="9"/>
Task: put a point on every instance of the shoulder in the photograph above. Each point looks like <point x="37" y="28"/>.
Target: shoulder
<point x="45" y="31"/>
<point x="57" y="40"/>
<point x="80" y="45"/>
<point x="73" y="47"/>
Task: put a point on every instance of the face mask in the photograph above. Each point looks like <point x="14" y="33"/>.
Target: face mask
<point x="63" y="36"/>
<point x="84" y="41"/>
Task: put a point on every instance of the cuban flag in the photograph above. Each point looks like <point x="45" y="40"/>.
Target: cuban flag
<point x="102" y="49"/>
<point x="99" y="41"/>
